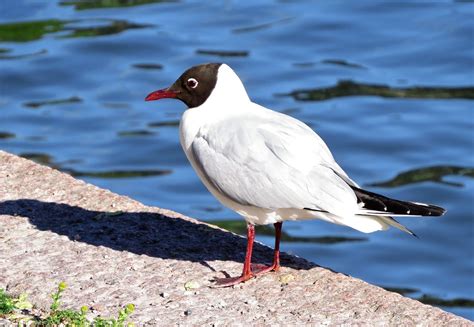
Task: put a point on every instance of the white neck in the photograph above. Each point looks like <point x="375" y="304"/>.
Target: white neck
<point x="228" y="91"/>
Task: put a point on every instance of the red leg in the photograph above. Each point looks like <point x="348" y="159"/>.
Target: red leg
<point x="261" y="269"/>
<point x="246" y="272"/>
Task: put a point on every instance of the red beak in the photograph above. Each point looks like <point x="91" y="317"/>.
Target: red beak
<point x="161" y="94"/>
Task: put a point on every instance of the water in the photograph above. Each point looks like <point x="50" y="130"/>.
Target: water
<point x="73" y="76"/>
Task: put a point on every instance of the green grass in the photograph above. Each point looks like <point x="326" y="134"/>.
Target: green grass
<point x="18" y="310"/>
<point x="6" y="303"/>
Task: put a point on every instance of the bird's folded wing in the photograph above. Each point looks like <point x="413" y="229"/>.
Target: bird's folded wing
<point x="272" y="164"/>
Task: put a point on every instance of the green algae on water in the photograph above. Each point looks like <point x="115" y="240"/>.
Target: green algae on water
<point x="351" y="88"/>
<point x="97" y="4"/>
<point x="29" y="31"/>
<point x="432" y="174"/>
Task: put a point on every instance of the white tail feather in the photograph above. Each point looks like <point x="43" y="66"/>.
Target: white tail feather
<point x="396" y="224"/>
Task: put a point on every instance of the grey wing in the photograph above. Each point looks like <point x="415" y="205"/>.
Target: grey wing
<point x="272" y="164"/>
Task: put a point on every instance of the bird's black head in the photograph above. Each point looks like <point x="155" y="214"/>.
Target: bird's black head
<point x="193" y="87"/>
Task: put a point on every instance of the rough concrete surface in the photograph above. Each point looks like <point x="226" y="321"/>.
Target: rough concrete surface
<point x="55" y="228"/>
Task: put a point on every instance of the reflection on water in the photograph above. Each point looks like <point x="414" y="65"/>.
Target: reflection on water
<point x="223" y="53"/>
<point x="41" y="158"/>
<point x="37" y="104"/>
<point x="47" y="160"/>
<point x="240" y="227"/>
<point x="30" y="31"/>
<point x="457" y="302"/>
<point x="25" y="55"/>
<point x="116" y="105"/>
<point x="262" y="26"/>
<point x="6" y="135"/>
<point x="116" y="173"/>
<point x="148" y="66"/>
<point x="351" y="88"/>
<point x="432" y="174"/>
<point x="432" y="300"/>
<point x="105" y="27"/>
<point x="337" y="62"/>
<point x="95" y="4"/>
<point x="167" y="123"/>
<point x="341" y="62"/>
<point x="140" y="132"/>
<point x="400" y="290"/>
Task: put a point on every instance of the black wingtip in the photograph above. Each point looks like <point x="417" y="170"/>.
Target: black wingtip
<point x="377" y="202"/>
<point x="437" y="211"/>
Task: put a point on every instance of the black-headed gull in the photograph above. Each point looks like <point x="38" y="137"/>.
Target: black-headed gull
<point x="270" y="167"/>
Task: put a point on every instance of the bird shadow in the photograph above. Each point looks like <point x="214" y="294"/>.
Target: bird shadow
<point x="142" y="233"/>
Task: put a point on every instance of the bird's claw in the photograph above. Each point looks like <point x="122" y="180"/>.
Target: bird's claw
<point x="231" y="281"/>
<point x="257" y="270"/>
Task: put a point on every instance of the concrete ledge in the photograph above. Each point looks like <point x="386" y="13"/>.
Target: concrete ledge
<point x="55" y="228"/>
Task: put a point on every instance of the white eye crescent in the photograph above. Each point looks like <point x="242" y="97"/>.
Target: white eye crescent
<point x="192" y="83"/>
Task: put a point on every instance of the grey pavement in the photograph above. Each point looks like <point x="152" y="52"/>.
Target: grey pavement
<point x="112" y="250"/>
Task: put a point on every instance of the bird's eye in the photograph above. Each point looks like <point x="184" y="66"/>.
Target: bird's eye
<point x="192" y="83"/>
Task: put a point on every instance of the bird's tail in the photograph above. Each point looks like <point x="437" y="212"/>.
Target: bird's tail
<point x="376" y="211"/>
<point x="376" y="204"/>
<point x="380" y="209"/>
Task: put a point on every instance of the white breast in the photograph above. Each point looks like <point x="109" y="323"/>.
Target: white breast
<point x="189" y="127"/>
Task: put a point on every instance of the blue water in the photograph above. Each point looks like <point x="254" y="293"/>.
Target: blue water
<point x="72" y="89"/>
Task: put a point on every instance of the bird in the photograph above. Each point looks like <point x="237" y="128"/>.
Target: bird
<point x="270" y="167"/>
